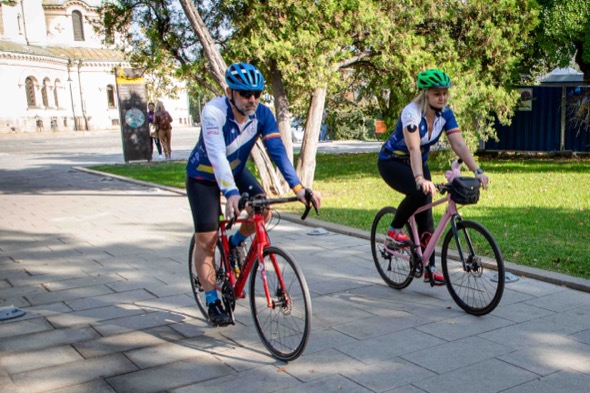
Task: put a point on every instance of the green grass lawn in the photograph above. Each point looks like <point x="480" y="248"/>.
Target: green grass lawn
<point x="537" y="209"/>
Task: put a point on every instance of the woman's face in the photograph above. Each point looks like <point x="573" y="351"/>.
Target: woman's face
<point x="437" y="97"/>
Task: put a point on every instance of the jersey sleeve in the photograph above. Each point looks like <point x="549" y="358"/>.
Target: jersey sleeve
<point x="451" y="125"/>
<point x="411" y="116"/>
<point x="213" y="120"/>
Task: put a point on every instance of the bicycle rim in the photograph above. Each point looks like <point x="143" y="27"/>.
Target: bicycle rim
<point x="397" y="272"/>
<point x="197" y="289"/>
<point x="478" y="287"/>
<point x="285" y="326"/>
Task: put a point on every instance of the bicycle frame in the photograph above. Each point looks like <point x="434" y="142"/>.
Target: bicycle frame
<point x="449" y="215"/>
<point x="260" y="241"/>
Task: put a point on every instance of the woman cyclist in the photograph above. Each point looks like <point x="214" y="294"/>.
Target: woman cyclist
<point x="403" y="159"/>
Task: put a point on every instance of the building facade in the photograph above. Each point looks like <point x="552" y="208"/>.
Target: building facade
<point x="55" y="72"/>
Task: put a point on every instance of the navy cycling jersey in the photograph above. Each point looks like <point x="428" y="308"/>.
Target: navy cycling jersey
<point x="412" y="115"/>
<point x="224" y="145"/>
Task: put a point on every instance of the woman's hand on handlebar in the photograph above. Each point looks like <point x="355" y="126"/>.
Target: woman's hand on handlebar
<point x="426" y="186"/>
<point x="483" y="178"/>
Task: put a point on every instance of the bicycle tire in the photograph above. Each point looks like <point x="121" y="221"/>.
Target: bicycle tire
<point x="397" y="272"/>
<point x="196" y="287"/>
<point x="479" y="288"/>
<point x="283" y="329"/>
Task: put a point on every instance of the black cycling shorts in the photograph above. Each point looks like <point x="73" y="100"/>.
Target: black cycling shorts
<point x="204" y="198"/>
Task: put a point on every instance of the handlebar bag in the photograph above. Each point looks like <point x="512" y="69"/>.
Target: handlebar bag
<point x="465" y="190"/>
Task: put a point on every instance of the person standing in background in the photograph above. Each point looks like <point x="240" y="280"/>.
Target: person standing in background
<point x="153" y="130"/>
<point x="163" y="122"/>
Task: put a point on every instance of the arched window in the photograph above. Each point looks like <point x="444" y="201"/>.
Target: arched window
<point x="30" y="90"/>
<point x="44" y="95"/>
<point x="111" y="96"/>
<point x="56" y="88"/>
<point x="78" y="26"/>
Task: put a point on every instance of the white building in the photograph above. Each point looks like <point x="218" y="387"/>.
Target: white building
<point x="56" y="74"/>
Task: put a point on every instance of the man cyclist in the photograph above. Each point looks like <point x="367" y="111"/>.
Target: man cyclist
<point x="230" y="126"/>
<point x="403" y="159"/>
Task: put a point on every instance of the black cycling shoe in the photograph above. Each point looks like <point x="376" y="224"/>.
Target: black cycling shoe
<point x="217" y="314"/>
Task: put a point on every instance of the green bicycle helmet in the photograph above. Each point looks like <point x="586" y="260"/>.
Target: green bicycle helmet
<point x="433" y="78"/>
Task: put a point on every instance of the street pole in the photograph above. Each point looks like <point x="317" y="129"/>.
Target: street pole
<point x="72" y="98"/>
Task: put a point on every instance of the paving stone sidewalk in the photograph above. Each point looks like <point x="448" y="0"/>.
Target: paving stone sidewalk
<point x="100" y="267"/>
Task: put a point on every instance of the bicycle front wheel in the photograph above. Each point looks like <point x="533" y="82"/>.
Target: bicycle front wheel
<point x="196" y="286"/>
<point x="284" y="322"/>
<point x="396" y="271"/>
<point x="473" y="268"/>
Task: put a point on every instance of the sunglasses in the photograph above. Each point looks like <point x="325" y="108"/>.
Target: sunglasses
<point x="248" y="93"/>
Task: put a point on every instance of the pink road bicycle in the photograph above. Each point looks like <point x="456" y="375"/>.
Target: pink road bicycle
<point x="280" y="302"/>
<point x="470" y="258"/>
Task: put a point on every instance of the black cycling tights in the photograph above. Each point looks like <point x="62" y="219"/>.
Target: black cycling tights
<point x="398" y="174"/>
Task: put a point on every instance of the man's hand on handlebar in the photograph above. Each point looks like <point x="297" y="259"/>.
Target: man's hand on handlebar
<point x="232" y="209"/>
<point x="309" y="198"/>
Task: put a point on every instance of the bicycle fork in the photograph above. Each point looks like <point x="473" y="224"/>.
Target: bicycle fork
<point x="467" y="265"/>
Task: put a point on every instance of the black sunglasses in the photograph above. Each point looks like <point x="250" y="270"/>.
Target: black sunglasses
<point x="248" y="93"/>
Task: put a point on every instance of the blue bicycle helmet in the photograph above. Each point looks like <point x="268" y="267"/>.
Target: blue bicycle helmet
<point x="244" y="76"/>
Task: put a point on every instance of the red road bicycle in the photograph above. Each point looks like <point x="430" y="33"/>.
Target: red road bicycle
<point x="280" y="302"/>
<point x="470" y="257"/>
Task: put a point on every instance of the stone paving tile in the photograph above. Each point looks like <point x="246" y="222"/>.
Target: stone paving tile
<point x="561" y="381"/>
<point x="464" y="326"/>
<point x="258" y="380"/>
<point x="16" y="327"/>
<point x="533" y="333"/>
<point x="557" y="302"/>
<point x="551" y="357"/>
<point x="329" y="384"/>
<point x="50" y="338"/>
<point x="521" y="312"/>
<point x="320" y="364"/>
<point x="110" y="299"/>
<point x="68" y="294"/>
<point x="456" y="354"/>
<point x="119" y="343"/>
<point x="490" y="376"/>
<point x="170" y="376"/>
<point x="379" y="326"/>
<point x="95" y="315"/>
<point x="71" y="374"/>
<point x="138" y="322"/>
<point x="95" y="386"/>
<point x="388" y="375"/>
<point x="379" y="349"/>
<point x="42" y="358"/>
<point x="81" y="282"/>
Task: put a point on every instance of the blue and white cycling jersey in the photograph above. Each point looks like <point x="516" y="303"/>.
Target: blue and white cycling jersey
<point x="224" y="145"/>
<point x="412" y="115"/>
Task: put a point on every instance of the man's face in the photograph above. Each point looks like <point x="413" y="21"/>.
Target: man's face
<point x="246" y="101"/>
<point x="151" y="107"/>
<point x="438" y="97"/>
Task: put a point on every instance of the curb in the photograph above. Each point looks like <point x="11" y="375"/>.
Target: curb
<point x="560" y="279"/>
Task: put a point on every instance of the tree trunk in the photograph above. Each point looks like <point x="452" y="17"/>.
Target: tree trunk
<point x="268" y="178"/>
<point x="282" y="113"/>
<point x="216" y="62"/>
<point x="306" y="162"/>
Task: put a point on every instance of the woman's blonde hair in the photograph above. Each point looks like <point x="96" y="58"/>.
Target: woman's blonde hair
<point x="421" y="100"/>
<point x="160" y="106"/>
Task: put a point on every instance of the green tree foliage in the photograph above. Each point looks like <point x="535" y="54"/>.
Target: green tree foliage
<point x="564" y="34"/>
<point x="477" y="42"/>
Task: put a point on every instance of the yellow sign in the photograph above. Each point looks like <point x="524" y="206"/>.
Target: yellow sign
<point x="128" y="76"/>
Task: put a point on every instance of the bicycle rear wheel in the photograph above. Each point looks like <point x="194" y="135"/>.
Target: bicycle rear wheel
<point x="396" y="271"/>
<point x="285" y="324"/>
<point x="198" y="291"/>
<point x="473" y="268"/>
